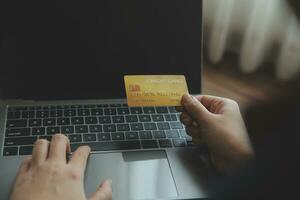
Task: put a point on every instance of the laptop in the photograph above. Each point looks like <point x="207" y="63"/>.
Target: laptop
<point x="62" y="68"/>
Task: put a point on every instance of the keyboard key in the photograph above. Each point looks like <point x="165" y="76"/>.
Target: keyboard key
<point x="123" y="111"/>
<point x="77" y="120"/>
<point x="14" y="115"/>
<point x="19" y="141"/>
<point x="165" y="143"/>
<point x="53" y="107"/>
<point x="67" y="129"/>
<point x="81" y="129"/>
<point x="162" y="110"/>
<point x="163" y="126"/>
<point x="157" y="118"/>
<point x="49" y="122"/>
<point x="123" y="127"/>
<point x="69" y="113"/>
<point x="170" y="117"/>
<point x="118" y="136"/>
<point x="16" y="123"/>
<point x="105" y="120"/>
<point x="145" y="135"/>
<point x="150" y="126"/>
<point x="28" y="114"/>
<point x="42" y="114"/>
<point x="149" y="110"/>
<point x="53" y="130"/>
<point x="17" y="108"/>
<point x="46" y="107"/>
<point x="176" y="125"/>
<point x="145" y="118"/>
<point x="103" y="136"/>
<point x="87" y="106"/>
<point x="63" y="121"/>
<point x="115" y="105"/>
<point x="91" y="120"/>
<point x="25" y="150"/>
<point x="56" y="113"/>
<point x="89" y="138"/>
<point x="172" y="109"/>
<point x="110" y="111"/>
<point x="184" y="134"/>
<point x="149" y="144"/>
<point x="10" y="151"/>
<point x="109" y="128"/>
<point x="131" y="136"/>
<point x="75" y="106"/>
<point x="179" y="143"/>
<point x="95" y="128"/>
<point x="118" y="119"/>
<point x="172" y="134"/>
<point x="38" y="131"/>
<point x="136" y="127"/>
<point x="17" y="132"/>
<point x="159" y="134"/>
<point x="97" y="112"/>
<point x="75" y="138"/>
<point x="35" y="122"/>
<point x="83" y="112"/>
<point x="136" y="110"/>
<point x="109" y="146"/>
<point x="131" y="118"/>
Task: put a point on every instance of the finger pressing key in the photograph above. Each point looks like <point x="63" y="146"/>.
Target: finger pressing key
<point x="59" y="148"/>
<point x="40" y="151"/>
<point x="80" y="156"/>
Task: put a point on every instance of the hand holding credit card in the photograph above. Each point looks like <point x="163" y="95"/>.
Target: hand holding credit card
<point x="155" y="90"/>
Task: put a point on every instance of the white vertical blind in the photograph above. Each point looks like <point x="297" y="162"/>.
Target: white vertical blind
<point x="258" y="31"/>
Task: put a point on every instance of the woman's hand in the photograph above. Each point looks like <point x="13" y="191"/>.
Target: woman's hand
<point x="48" y="175"/>
<point x="218" y="123"/>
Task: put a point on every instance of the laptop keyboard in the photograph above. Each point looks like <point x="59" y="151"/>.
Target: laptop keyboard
<point x="104" y="127"/>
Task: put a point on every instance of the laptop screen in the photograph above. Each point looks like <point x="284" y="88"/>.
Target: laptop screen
<point x="70" y="49"/>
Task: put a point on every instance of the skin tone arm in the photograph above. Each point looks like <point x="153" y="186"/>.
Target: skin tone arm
<point x="48" y="175"/>
<point x="218" y="123"/>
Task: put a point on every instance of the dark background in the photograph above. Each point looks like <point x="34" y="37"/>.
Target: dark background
<point x="82" y="49"/>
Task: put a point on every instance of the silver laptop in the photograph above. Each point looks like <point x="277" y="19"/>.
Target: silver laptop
<point x="62" y="67"/>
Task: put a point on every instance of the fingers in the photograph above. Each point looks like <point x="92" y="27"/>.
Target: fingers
<point x="212" y="103"/>
<point x="103" y="192"/>
<point x="193" y="131"/>
<point x="40" y="151"/>
<point x="59" y="147"/>
<point x="80" y="156"/>
<point x="25" y="165"/>
<point x="195" y="109"/>
<point x="186" y="119"/>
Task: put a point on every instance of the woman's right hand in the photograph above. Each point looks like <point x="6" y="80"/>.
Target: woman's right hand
<point x="218" y="123"/>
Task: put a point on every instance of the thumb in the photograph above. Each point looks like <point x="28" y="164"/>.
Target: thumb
<point x="103" y="192"/>
<point x="195" y="108"/>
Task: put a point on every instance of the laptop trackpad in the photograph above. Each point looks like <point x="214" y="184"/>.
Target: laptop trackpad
<point x="135" y="175"/>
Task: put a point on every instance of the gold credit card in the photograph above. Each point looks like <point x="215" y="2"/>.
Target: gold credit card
<point x="155" y="90"/>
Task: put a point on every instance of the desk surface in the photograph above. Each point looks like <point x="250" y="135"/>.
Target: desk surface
<point x="245" y="89"/>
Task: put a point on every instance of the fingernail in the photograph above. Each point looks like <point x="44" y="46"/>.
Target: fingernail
<point x="187" y="98"/>
<point x="110" y="181"/>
